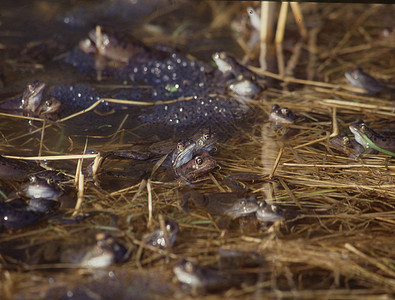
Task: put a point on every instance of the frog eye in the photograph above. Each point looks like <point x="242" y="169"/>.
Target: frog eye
<point x="243" y="202"/>
<point x="205" y="136"/>
<point x="363" y="126"/>
<point x="51" y="181"/>
<point x="33" y="178"/>
<point x="199" y="160"/>
<point x="180" y="146"/>
<point x="285" y="110"/>
<point x="346" y="140"/>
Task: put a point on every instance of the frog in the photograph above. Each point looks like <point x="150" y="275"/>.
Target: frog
<point x="163" y="147"/>
<point x="105" y="252"/>
<point x="362" y="80"/>
<point x="31" y="103"/>
<point x="183" y="153"/>
<point x="201" y="141"/>
<point x="244" y="88"/>
<point x="268" y="213"/>
<point x="196" y="167"/>
<point x="28" y="102"/>
<point x="40" y="188"/>
<point x="230" y="67"/>
<point x="14" y="218"/>
<point x="347" y="145"/>
<point x="280" y="119"/>
<point x="137" y="155"/>
<point x="17" y="169"/>
<point x="157" y="238"/>
<point x="281" y="115"/>
<point x="238" y="78"/>
<point x="32" y="98"/>
<point x="202" y="279"/>
<point x="230" y="204"/>
<point x="369" y="139"/>
<point x="49" y="109"/>
<point x="204" y="139"/>
<point x="42" y="205"/>
<point x="115" y="46"/>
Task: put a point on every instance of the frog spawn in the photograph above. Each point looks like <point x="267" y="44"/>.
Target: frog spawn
<point x="217" y="110"/>
<point x="177" y="77"/>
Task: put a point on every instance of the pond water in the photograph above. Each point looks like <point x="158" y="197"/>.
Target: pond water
<point x="199" y="191"/>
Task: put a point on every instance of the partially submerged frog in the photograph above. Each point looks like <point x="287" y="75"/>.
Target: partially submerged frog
<point x="202" y="279"/>
<point x="230" y="67"/>
<point x="183" y="153"/>
<point x="362" y="80"/>
<point x="196" y="167"/>
<point x="115" y="46"/>
<point x="105" y="252"/>
<point x="49" y="109"/>
<point x="202" y="141"/>
<point x="17" y="169"/>
<point x="229" y="204"/>
<point x="239" y="78"/>
<point x="13" y="218"/>
<point x="369" y="139"/>
<point x="268" y="213"/>
<point x="32" y="98"/>
<point x="42" y="205"/>
<point x="245" y="88"/>
<point x="31" y="102"/>
<point x="281" y="115"/>
<point x="40" y="188"/>
<point x="280" y="119"/>
<point x="157" y="237"/>
<point x="349" y="146"/>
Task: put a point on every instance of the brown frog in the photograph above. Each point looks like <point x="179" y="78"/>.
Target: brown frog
<point x="31" y="102"/>
<point x="203" y="140"/>
<point x="196" y="167"/>
<point x="157" y="237"/>
<point x="281" y="115"/>
<point x="237" y="77"/>
<point x="17" y="169"/>
<point x="49" y="109"/>
<point x="32" y="98"/>
<point x="115" y="46"/>
<point x="349" y="146"/>
<point x="223" y="204"/>
<point x="363" y="80"/>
